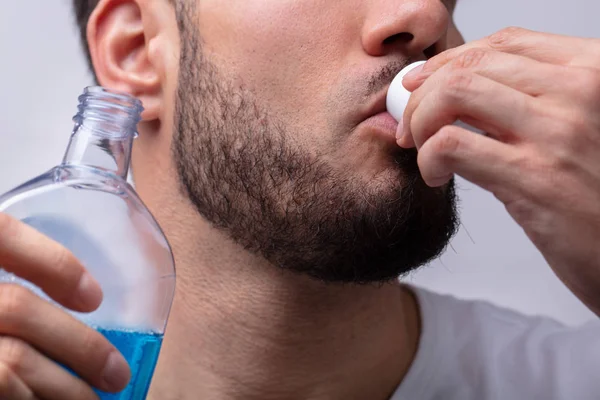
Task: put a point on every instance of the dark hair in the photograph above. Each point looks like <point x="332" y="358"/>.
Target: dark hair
<point x="83" y="10"/>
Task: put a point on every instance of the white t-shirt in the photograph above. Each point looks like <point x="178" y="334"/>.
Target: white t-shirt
<point x="472" y="350"/>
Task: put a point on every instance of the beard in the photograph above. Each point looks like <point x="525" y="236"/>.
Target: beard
<point x="245" y="174"/>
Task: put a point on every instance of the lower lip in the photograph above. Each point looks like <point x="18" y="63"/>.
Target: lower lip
<point x="384" y="125"/>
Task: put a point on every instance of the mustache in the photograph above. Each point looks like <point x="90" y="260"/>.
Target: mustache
<point x="385" y="75"/>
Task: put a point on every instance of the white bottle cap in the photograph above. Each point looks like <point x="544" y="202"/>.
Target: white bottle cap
<point x="397" y="96"/>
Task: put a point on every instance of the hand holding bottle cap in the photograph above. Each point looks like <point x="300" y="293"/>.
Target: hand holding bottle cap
<point x="398" y="97"/>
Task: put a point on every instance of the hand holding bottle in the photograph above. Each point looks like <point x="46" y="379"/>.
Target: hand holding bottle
<point x="34" y="333"/>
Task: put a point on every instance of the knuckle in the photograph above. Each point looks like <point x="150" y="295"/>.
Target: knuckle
<point x="588" y="85"/>
<point x="94" y="348"/>
<point x="470" y="59"/>
<point x="578" y="135"/>
<point x="543" y="188"/>
<point x="571" y="131"/>
<point x="90" y="343"/>
<point x="13" y="353"/>
<point x="505" y="37"/>
<point x="446" y="143"/>
<point x="65" y="264"/>
<point x="534" y="169"/>
<point x="14" y="300"/>
<point x="541" y="172"/>
<point x="571" y="142"/>
<point x="457" y="84"/>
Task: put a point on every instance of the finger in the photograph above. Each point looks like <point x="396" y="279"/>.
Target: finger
<point x="44" y="377"/>
<point x="13" y="388"/>
<point x="521" y="73"/>
<point x="542" y="47"/>
<point x="34" y="257"/>
<point x="62" y="338"/>
<point x="500" y="111"/>
<point x="477" y="158"/>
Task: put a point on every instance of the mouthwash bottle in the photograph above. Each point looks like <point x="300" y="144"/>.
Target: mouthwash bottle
<point x="86" y="204"/>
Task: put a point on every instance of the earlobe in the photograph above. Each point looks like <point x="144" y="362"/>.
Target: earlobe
<point x="119" y="46"/>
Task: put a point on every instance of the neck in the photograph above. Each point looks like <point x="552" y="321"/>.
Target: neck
<point x="242" y="329"/>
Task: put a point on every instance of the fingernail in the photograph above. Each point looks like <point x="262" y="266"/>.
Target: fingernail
<point x="400" y="131"/>
<point x="414" y="72"/>
<point x="116" y="372"/>
<point x="89" y="292"/>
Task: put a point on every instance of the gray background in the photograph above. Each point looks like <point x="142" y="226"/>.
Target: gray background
<point x="43" y="72"/>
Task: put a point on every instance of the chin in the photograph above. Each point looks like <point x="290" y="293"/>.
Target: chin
<point x="382" y="171"/>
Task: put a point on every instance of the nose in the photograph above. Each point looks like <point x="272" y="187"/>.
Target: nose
<point x="411" y="27"/>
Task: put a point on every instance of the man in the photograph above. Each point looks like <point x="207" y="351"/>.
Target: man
<point x="293" y="202"/>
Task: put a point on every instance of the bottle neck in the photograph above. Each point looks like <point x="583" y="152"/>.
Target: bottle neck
<point x="108" y="154"/>
<point x="105" y="128"/>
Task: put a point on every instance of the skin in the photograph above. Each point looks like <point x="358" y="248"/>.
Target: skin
<point x="262" y="333"/>
<point x="536" y="96"/>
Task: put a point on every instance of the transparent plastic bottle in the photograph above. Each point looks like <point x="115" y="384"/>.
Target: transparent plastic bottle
<point x="86" y="204"/>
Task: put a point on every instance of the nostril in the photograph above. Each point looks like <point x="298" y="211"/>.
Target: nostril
<point x="403" y="37"/>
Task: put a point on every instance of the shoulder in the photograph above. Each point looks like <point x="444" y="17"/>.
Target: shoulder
<point x="489" y="350"/>
<point x="481" y="321"/>
<point x="449" y="307"/>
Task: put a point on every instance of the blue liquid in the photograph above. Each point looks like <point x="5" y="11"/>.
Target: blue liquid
<point x="141" y="352"/>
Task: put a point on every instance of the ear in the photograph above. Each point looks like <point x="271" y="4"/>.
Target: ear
<point x="120" y="40"/>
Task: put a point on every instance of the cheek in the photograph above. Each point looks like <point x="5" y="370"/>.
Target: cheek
<point x="455" y="38"/>
<point x="273" y="33"/>
<point x="285" y="51"/>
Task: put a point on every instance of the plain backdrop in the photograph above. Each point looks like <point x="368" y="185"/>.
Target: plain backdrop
<point x="42" y="72"/>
